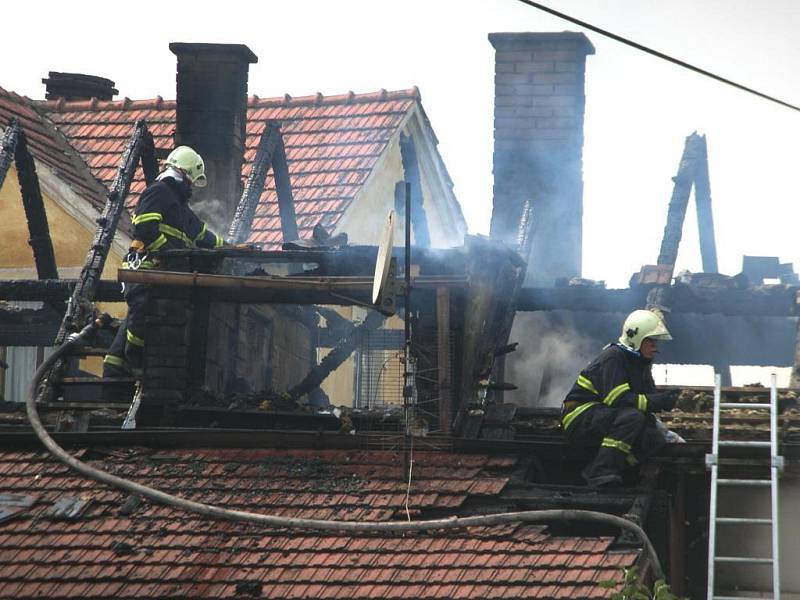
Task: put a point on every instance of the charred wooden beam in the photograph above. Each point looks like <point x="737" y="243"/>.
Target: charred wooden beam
<point x="337" y="356"/>
<point x="772" y="301"/>
<point x="54" y="290"/>
<point x="444" y="360"/>
<point x="28" y="326"/>
<point x="419" y="222"/>
<point x="283" y="187"/>
<point x="33" y="203"/>
<point x="705" y="218"/>
<point x="8" y="147"/>
<point x="243" y="218"/>
<point x="84" y="292"/>
<point x="343" y="291"/>
<point x="679" y="201"/>
<point x="494" y="276"/>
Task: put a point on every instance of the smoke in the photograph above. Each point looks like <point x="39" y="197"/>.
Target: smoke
<point x="551" y="353"/>
<point x="214" y="212"/>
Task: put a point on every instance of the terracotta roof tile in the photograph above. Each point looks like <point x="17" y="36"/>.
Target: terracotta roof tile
<point x="158" y="552"/>
<point x="332" y="143"/>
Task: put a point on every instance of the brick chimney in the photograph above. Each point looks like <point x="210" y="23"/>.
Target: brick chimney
<point x="77" y="86"/>
<point x="211" y="118"/>
<point x="538" y="144"/>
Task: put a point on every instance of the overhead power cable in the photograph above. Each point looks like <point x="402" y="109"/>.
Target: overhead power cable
<point x="656" y="53"/>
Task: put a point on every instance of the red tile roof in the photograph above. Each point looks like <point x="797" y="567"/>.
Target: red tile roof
<point x="50" y="147"/>
<point x="332" y="144"/>
<point x="115" y="548"/>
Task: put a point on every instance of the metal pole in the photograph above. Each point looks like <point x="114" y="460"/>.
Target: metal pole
<point x="712" y="510"/>
<point x="774" y="461"/>
<point x="407" y="312"/>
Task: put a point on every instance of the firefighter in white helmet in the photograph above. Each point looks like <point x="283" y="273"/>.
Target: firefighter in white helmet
<point x="162" y="221"/>
<point x="610" y="405"/>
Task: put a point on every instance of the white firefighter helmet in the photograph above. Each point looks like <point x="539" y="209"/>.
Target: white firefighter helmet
<point x="190" y="163"/>
<point x="642" y="324"/>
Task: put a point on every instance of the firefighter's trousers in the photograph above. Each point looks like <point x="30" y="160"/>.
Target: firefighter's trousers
<point x="623" y="437"/>
<point x="127" y="350"/>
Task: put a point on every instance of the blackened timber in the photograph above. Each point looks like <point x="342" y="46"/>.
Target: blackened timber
<point x="336" y="356"/>
<point x="344" y="291"/>
<point x="54" y="290"/>
<point x="30" y="327"/>
<point x="493" y="272"/>
<point x="705" y="218"/>
<point x="243" y="217"/>
<point x="84" y="292"/>
<point x="679" y="201"/>
<point x="771" y="301"/>
<point x="283" y="187"/>
<point x="40" y="241"/>
<point x="148" y="159"/>
<point x="443" y="360"/>
<point x="419" y="221"/>
<point x="524" y="242"/>
<point x="8" y="146"/>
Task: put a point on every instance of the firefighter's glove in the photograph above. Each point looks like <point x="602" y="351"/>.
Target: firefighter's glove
<point x="662" y="401"/>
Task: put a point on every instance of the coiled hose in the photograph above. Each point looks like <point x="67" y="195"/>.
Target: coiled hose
<point x="207" y="510"/>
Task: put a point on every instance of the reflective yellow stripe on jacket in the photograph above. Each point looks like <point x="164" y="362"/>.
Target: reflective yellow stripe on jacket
<point x="146" y="218"/>
<point x="641" y="402"/>
<point x="586" y="384"/>
<point x="176" y="233"/>
<point x="616" y="393"/>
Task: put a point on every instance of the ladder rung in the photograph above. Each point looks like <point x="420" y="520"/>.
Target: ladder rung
<point x="743" y="405"/>
<point x="742" y="597"/>
<point x="743" y="559"/>
<point x="744" y="482"/>
<point x="744" y="521"/>
<point x="734" y="444"/>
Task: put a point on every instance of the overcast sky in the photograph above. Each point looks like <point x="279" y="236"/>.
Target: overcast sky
<point x="638" y="109"/>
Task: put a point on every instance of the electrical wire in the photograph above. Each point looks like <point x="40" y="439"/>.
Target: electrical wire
<point x="352" y="527"/>
<point x="656" y="53"/>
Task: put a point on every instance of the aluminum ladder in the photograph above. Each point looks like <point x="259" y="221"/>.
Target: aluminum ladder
<point x="776" y="466"/>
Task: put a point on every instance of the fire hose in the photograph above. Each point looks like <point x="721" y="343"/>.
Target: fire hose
<point x="208" y="510"/>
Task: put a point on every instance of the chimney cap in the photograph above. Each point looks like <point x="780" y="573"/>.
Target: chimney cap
<point x="238" y="50"/>
<point x="524" y="40"/>
<point x="78" y="86"/>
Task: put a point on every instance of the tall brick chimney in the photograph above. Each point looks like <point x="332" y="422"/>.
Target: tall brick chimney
<point x="211" y="118"/>
<point x="538" y="133"/>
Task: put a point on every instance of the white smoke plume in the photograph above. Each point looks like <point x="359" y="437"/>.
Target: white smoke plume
<point x="213" y="212"/>
<point x="551" y="353"/>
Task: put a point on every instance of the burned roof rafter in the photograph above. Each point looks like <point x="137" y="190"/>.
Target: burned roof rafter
<point x="271" y="153"/>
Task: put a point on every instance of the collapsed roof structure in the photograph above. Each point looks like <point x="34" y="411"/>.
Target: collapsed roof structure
<point x="215" y="425"/>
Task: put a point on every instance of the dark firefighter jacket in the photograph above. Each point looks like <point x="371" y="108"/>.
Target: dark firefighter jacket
<point x="617" y="378"/>
<point x="164" y="221"/>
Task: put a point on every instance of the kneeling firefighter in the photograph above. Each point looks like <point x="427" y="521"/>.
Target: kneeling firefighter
<point x="162" y="221"/>
<point x="610" y="406"/>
